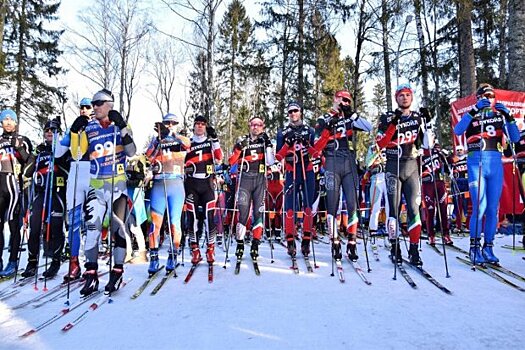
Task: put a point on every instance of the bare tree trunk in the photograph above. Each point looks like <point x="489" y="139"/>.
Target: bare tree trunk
<point x="209" y="67"/>
<point x="517" y="45"/>
<point x="22" y="32"/>
<point x="300" y="51"/>
<point x="502" y="67"/>
<point x="386" y="54"/>
<point x="467" y="65"/>
<point x="359" y="45"/>
<point x="3" y="12"/>
<point x="422" y="52"/>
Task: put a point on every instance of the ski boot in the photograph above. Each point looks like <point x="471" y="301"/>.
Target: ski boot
<point x="219" y="240"/>
<point x="413" y="255"/>
<point x="171" y="262"/>
<point x="30" y="270"/>
<point x="91" y="284"/>
<point x="488" y="253"/>
<point x="475" y="253"/>
<point x="305" y="246"/>
<point x="336" y="250"/>
<point x="351" y="247"/>
<point x="395" y="251"/>
<point x="195" y="253"/>
<point x="351" y="251"/>
<point x="74" y="272"/>
<point x="291" y="247"/>
<point x="153" y="261"/>
<point x="239" y="252"/>
<point x="9" y="270"/>
<point x="53" y="269"/>
<point x="432" y="240"/>
<point x="254" y="251"/>
<point x="115" y="279"/>
<point x="210" y="253"/>
<point x="447" y="239"/>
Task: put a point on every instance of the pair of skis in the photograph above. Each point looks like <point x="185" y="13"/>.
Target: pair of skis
<point x="194" y="267"/>
<point x="151" y="278"/>
<point x="422" y="272"/>
<point x="357" y="268"/>
<point x="255" y="266"/>
<point x="103" y="298"/>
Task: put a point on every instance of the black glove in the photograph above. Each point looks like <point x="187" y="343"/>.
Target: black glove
<point x="117" y="119"/>
<point x="41" y="148"/>
<point x="211" y="132"/>
<point x="290" y="139"/>
<point x="425" y="113"/>
<point x="265" y="137"/>
<point x="395" y="118"/>
<point x="54" y="124"/>
<point x="161" y="130"/>
<point x="79" y="124"/>
<point x="347" y="110"/>
<point x="332" y="122"/>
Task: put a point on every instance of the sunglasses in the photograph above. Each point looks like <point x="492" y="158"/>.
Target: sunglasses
<point x="347" y="100"/>
<point x="98" y="103"/>
<point x="48" y="130"/>
<point x="253" y="125"/>
<point x="85" y="107"/>
<point x="293" y="111"/>
<point x="169" y="122"/>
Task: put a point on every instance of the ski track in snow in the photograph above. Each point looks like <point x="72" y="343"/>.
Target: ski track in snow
<point x="282" y="310"/>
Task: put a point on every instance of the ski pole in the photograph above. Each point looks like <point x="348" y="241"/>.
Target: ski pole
<point x="308" y="205"/>
<point x="236" y="197"/>
<point x="51" y="176"/>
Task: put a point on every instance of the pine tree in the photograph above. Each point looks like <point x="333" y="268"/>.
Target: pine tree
<point x="31" y="59"/>
<point x="234" y="47"/>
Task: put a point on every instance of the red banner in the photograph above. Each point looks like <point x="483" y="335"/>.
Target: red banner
<point x="515" y="102"/>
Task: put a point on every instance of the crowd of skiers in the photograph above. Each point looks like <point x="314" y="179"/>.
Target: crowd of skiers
<point x="90" y="183"/>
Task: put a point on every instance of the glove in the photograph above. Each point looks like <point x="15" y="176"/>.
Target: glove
<point x="15" y="142"/>
<point x="332" y="122"/>
<point x="54" y="124"/>
<point x="41" y="148"/>
<point x="266" y="139"/>
<point x="500" y="107"/>
<point x="290" y="139"/>
<point x="161" y="130"/>
<point x="117" y="119"/>
<point x="346" y="109"/>
<point x="210" y="130"/>
<point x="395" y="118"/>
<point x="79" y="124"/>
<point x="242" y="143"/>
<point x="481" y="104"/>
<point x="425" y="113"/>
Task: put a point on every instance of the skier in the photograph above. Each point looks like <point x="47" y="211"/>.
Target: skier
<point x="77" y="184"/>
<point x="435" y="194"/>
<point x="109" y="141"/>
<point x="484" y="126"/>
<point x="40" y="169"/>
<point x="401" y="133"/>
<point x="459" y="180"/>
<point x="253" y="153"/>
<point x="166" y="153"/>
<point x="205" y="152"/>
<point x="376" y="161"/>
<point x="336" y="129"/>
<point x="295" y="146"/>
<point x="15" y="154"/>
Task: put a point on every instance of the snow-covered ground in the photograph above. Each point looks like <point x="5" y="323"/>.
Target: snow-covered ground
<point x="282" y="310"/>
